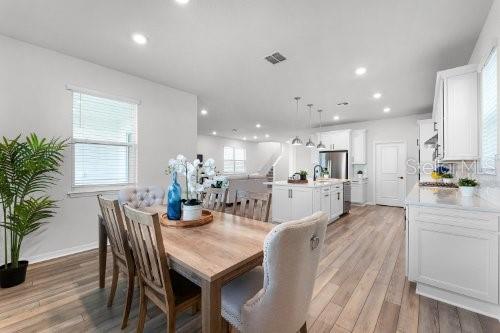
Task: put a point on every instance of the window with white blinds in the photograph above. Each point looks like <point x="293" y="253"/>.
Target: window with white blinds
<point x="104" y="141"/>
<point x="489" y="113"/>
<point x="234" y="160"/>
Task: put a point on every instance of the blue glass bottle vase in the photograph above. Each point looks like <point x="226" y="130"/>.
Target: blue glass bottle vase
<point x="174" y="199"/>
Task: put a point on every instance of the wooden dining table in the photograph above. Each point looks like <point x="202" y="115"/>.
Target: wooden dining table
<point x="210" y="256"/>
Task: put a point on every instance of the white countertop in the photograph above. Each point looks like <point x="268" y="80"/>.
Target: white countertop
<point x="311" y="183"/>
<point x="448" y="198"/>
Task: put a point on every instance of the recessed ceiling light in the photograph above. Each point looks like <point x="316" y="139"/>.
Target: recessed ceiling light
<point x="244" y="138"/>
<point x="336" y="118"/>
<point x="267" y="135"/>
<point x="255" y="137"/>
<point x="360" y="71"/>
<point x="203" y="112"/>
<point x="182" y="2"/>
<point x="257" y="125"/>
<point x="139" y="39"/>
<point x="214" y="133"/>
<point x="387" y="109"/>
<point x="377" y="95"/>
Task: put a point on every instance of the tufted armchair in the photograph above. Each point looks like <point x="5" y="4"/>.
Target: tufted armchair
<point x="276" y="297"/>
<point x="142" y="197"/>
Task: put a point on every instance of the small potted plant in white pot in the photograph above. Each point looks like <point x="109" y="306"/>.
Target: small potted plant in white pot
<point x="467" y="186"/>
<point x="447" y="178"/>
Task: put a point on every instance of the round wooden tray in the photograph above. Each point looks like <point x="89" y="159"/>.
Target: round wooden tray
<point x="297" y="181"/>
<point x="206" y="217"/>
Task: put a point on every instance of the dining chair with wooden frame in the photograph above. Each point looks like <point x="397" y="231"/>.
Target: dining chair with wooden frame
<point x="167" y="289"/>
<point x="123" y="259"/>
<point x="215" y="199"/>
<point x="252" y="205"/>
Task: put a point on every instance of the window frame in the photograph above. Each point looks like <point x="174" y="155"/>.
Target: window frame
<point x="492" y="170"/>
<point x="234" y="160"/>
<point x="93" y="189"/>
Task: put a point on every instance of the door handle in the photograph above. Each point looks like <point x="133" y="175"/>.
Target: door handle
<point x="401" y="177"/>
<point x="338" y="196"/>
<point x="435" y="129"/>
<point x="291" y="193"/>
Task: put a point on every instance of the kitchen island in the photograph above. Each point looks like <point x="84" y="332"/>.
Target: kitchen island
<point x="452" y="248"/>
<point x="296" y="201"/>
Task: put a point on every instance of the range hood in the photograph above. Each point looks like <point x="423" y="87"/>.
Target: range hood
<point x="432" y="142"/>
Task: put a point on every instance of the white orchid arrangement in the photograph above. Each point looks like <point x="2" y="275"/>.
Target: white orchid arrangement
<point x="191" y="172"/>
<point x="217" y="181"/>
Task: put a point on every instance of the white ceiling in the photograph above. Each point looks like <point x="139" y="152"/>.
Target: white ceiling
<point x="216" y="49"/>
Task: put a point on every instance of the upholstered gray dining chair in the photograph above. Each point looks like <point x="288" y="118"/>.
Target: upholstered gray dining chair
<point x="276" y="296"/>
<point x="142" y="196"/>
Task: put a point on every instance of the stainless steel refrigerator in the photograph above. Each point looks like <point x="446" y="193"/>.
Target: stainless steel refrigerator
<point x="335" y="162"/>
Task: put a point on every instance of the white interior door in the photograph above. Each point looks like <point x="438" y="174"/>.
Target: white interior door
<point x="390" y="174"/>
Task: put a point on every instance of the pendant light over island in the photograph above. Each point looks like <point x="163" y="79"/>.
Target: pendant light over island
<point x="296" y="141"/>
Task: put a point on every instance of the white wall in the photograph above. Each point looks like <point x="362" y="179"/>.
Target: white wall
<point x="258" y="153"/>
<point x="33" y="98"/>
<point x="383" y="130"/>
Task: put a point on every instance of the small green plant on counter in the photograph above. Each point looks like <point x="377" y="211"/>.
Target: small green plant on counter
<point x="447" y="176"/>
<point x="467" y="182"/>
<point x="303" y="173"/>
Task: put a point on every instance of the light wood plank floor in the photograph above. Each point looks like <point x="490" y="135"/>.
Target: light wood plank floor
<point x="360" y="287"/>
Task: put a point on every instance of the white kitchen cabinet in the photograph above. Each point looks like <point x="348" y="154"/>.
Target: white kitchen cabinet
<point x="301" y="202"/>
<point x="336" y="140"/>
<point x="358" y="145"/>
<point x="336" y="201"/>
<point x="294" y="202"/>
<point x="456" y="113"/>
<point x="281" y="210"/>
<point x="359" y="190"/>
<point x="325" y="200"/>
<point x="454" y="255"/>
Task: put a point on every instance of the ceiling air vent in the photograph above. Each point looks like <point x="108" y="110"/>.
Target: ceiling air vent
<point x="275" y="58"/>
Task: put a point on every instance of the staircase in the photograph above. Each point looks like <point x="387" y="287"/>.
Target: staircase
<point x="270" y="177"/>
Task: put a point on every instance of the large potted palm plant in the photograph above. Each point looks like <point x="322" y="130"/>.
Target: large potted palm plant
<point x="28" y="168"/>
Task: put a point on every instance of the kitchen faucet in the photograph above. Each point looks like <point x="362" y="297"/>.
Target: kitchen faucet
<point x="315" y="173"/>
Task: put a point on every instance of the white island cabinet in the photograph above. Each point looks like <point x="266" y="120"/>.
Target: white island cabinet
<point x="452" y="248"/>
<point x="296" y="201"/>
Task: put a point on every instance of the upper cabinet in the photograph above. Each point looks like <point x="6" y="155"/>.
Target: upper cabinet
<point x="455" y="113"/>
<point x="358" y="144"/>
<point x="336" y="140"/>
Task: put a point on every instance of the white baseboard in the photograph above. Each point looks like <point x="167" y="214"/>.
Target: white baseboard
<point x="370" y="203"/>
<point x="469" y="303"/>
<point x="62" y="253"/>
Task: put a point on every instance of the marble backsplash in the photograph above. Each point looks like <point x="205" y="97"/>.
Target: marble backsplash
<point x="489" y="188"/>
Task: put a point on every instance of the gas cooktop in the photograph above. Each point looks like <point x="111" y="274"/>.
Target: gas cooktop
<point x="437" y="184"/>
